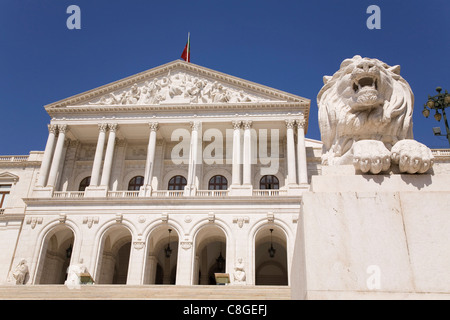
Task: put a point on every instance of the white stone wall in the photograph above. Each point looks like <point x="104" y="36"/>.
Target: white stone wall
<point x="365" y="236"/>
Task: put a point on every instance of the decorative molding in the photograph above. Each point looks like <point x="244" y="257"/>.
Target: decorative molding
<point x="138" y="245"/>
<point x="62" y="218"/>
<point x="186" y="244"/>
<point x="90" y="221"/>
<point x="33" y="221"/>
<point x="241" y="220"/>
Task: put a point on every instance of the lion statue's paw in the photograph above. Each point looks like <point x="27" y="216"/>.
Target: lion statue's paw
<point x="412" y="156"/>
<point x="371" y="156"/>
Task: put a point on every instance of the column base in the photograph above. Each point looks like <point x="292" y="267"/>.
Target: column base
<point x="190" y="191"/>
<point x="43" y="192"/>
<point x="96" y="192"/>
<point x="241" y="190"/>
<point x="145" y="191"/>
<point x="296" y="189"/>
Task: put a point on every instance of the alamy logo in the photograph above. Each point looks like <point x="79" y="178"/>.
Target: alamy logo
<point x="374" y="20"/>
<point x="264" y="148"/>
<point x="373" y="282"/>
<point x="74" y="20"/>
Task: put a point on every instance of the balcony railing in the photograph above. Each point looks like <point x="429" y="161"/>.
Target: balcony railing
<point x="68" y="194"/>
<point x="269" y="193"/>
<point x="167" y="194"/>
<point x="123" y="194"/>
<point x="13" y="158"/>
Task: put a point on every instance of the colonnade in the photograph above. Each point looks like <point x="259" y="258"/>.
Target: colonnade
<point x="241" y="175"/>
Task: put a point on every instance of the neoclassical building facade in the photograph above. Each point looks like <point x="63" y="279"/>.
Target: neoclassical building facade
<point x="165" y="177"/>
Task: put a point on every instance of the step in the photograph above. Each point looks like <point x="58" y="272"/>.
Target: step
<point x="120" y="292"/>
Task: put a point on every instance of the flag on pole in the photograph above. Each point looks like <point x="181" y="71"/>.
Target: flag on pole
<point x="186" y="55"/>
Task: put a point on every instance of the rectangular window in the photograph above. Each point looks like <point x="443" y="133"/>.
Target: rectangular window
<point x="4" y="195"/>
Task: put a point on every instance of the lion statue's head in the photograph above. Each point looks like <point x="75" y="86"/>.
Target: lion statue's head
<point x="364" y="99"/>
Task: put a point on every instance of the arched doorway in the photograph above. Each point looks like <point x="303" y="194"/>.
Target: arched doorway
<point x="271" y="256"/>
<point x="210" y="254"/>
<point x="55" y="256"/>
<point x="114" y="256"/>
<point x="162" y="254"/>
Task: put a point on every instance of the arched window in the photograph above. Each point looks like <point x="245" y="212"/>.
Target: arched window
<point x="84" y="183"/>
<point x="269" y="182"/>
<point x="136" y="183"/>
<point x="177" y="183"/>
<point x="218" y="183"/>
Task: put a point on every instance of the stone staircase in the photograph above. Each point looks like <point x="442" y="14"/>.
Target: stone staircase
<point x="157" y="292"/>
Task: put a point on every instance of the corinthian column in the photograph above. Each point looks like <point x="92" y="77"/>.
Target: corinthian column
<point x="48" y="154"/>
<point x="236" y="165"/>
<point x="95" y="175"/>
<point x="106" y="174"/>
<point x="57" y="156"/>
<point x="247" y="166"/>
<point x="193" y="155"/>
<point x="301" y="152"/>
<point x="292" y="179"/>
<point x="150" y="154"/>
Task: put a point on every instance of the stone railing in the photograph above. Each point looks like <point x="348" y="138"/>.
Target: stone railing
<point x="68" y="194"/>
<point x="441" y="152"/>
<point x="211" y="193"/>
<point x="123" y="194"/>
<point x="269" y="193"/>
<point x="167" y="194"/>
<point x="13" y="158"/>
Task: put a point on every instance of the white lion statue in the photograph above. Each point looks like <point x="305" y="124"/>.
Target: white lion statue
<point x="365" y="112"/>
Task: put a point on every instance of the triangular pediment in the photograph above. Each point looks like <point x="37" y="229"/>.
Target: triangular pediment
<point x="7" y="176"/>
<point x="176" y="83"/>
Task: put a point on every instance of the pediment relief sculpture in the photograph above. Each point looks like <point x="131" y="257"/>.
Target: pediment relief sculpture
<point x="177" y="88"/>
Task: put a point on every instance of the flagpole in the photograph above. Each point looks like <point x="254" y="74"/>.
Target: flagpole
<point x="189" y="47"/>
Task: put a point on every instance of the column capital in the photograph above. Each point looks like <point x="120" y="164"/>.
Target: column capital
<point x="102" y="127"/>
<point x="112" y="127"/>
<point x="247" y="124"/>
<point x="236" y="124"/>
<point x="154" y="126"/>
<point x="52" y="128"/>
<point x="62" y="128"/>
<point x="195" y="125"/>
<point x="290" y="123"/>
<point x="301" y="123"/>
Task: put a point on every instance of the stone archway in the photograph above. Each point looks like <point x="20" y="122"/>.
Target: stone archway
<point x="55" y="256"/>
<point x="114" y="256"/>
<point x="271" y="270"/>
<point x="161" y="265"/>
<point x="210" y="254"/>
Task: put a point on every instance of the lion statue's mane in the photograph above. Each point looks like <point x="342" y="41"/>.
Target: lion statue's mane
<point x="366" y="99"/>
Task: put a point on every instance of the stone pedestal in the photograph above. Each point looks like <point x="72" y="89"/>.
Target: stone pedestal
<point x="370" y="237"/>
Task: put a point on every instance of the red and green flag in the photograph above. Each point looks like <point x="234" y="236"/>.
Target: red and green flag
<point x="186" y="55"/>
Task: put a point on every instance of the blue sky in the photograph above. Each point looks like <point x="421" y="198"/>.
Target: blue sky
<point x="287" y="45"/>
